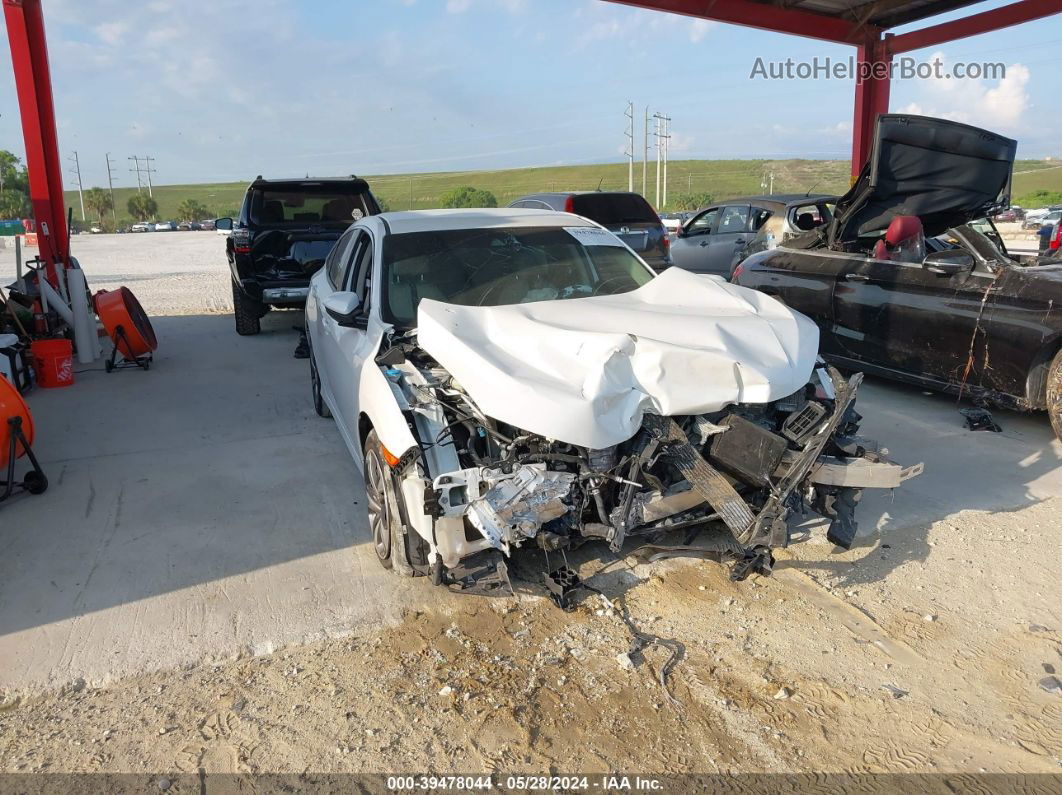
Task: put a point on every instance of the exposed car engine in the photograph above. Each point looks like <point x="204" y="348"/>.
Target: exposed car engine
<point x="489" y="487"/>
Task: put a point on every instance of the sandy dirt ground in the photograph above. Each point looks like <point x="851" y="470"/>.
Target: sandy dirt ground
<point x="932" y="648"/>
<point x="866" y="661"/>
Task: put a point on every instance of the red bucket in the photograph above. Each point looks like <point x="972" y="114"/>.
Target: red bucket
<point x="54" y="362"/>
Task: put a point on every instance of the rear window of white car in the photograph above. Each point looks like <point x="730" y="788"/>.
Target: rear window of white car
<point x="493" y="267"/>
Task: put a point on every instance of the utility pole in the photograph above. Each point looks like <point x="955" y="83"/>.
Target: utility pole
<point x="645" y="155"/>
<point x="667" y="144"/>
<point x="80" y="189"/>
<point x="630" y="146"/>
<point x="772" y="184"/>
<point x="110" y="184"/>
<point x="660" y="143"/>
<point x="136" y="167"/>
<point x="150" y="171"/>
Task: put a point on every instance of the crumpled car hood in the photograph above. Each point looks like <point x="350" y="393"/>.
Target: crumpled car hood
<point x="584" y="370"/>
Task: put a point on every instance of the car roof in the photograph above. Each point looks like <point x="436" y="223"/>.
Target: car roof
<point x="398" y="223"/>
<point x="260" y="182"/>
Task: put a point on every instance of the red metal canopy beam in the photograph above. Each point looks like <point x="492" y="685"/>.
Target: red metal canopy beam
<point x="984" y="22"/>
<point x="33" y="83"/>
<point x="764" y="17"/>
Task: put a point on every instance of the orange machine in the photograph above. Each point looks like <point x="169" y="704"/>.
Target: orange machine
<point x="16" y="436"/>
<point x="128" y="326"/>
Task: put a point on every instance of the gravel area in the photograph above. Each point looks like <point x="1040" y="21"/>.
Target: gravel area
<point x="171" y="273"/>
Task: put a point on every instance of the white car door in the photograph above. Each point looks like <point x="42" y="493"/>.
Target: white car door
<point x="322" y="285"/>
<point x="346" y="347"/>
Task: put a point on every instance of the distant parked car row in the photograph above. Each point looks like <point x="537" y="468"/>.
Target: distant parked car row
<point x="171" y="226"/>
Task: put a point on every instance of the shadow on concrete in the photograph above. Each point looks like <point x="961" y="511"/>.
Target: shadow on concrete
<point x="208" y="466"/>
<point x="213" y="464"/>
<point x="964" y="470"/>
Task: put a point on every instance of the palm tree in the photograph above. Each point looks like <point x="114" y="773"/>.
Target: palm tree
<point x="99" y="201"/>
<point x="191" y="210"/>
<point x="141" y="206"/>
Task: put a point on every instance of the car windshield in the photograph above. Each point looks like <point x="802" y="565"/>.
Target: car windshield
<point x="981" y="237"/>
<point x="506" y="265"/>
<point x="611" y="209"/>
<point x="308" y="203"/>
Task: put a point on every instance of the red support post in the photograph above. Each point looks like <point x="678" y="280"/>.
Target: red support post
<point x="33" y="83"/>
<point x="873" y="59"/>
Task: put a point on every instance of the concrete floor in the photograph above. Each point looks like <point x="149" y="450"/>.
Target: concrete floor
<point x="201" y="510"/>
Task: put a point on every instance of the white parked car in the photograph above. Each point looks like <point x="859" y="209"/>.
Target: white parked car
<point x="165" y="226"/>
<point x="142" y="226"/>
<point x="508" y="377"/>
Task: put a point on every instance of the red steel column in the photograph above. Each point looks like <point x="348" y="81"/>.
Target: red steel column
<point x="873" y="59"/>
<point x="33" y="82"/>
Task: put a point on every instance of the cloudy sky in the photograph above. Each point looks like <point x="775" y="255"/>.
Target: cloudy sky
<point x="226" y="89"/>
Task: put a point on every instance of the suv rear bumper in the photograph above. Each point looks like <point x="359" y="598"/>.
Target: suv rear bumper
<point x="284" y="292"/>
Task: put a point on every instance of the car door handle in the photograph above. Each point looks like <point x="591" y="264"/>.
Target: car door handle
<point x="856" y="277"/>
<point x="703" y="243"/>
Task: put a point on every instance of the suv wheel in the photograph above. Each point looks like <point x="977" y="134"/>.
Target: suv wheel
<point x="379" y="503"/>
<point x="1054" y="394"/>
<point x="248" y="312"/>
<point x="319" y="404"/>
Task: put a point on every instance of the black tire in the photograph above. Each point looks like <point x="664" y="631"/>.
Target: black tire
<point x="1054" y="394"/>
<point x="379" y="502"/>
<point x="319" y="404"/>
<point x="248" y="312"/>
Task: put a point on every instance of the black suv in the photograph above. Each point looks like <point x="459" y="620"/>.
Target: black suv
<point x="628" y="215"/>
<point x="285" y="230"/>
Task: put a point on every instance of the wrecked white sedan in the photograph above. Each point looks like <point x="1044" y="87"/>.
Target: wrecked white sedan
<point x="512" y="377"/>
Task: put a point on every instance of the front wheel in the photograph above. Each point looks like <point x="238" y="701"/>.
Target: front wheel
<point x="380" y="508"/>
<point x="1054" y="394"/>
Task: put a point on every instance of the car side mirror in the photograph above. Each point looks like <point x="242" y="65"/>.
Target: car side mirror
<point x="223" y="223"/>
<point x="949" y="262"/>
<point x="345" y="309"/>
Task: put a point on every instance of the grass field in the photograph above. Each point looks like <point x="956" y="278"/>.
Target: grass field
<point x="720" y="178"/>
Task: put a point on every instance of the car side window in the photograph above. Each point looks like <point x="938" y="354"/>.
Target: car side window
<point x="734" y="219"/>
<point x="335" y="262"/>
<point x="703" y="223"/>
<point x="758" y="218"/>
<point x="361" y="269"/>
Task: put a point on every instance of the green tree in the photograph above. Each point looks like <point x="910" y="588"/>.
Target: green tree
<point x="12" y="173"/>
<point x="141" y="206"/>
<point x="14" y="188"/>
<point x="467" y="196"/>
<point x="191" y="210"/>
<point x="1039" y="198"/>
<point x="691" y="201"/>
<point x="99" y="201"/>
<point x="14" y="204"/>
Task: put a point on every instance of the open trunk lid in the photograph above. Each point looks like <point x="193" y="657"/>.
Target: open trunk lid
<point x="944" y="172"/>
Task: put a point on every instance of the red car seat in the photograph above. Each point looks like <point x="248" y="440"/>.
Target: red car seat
<point x="904" y="240"/>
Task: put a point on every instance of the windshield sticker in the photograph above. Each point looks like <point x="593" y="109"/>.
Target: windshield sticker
<point x="592" y="236"/>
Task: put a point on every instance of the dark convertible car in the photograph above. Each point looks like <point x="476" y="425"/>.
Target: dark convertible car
<point x="910" y="280"/>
